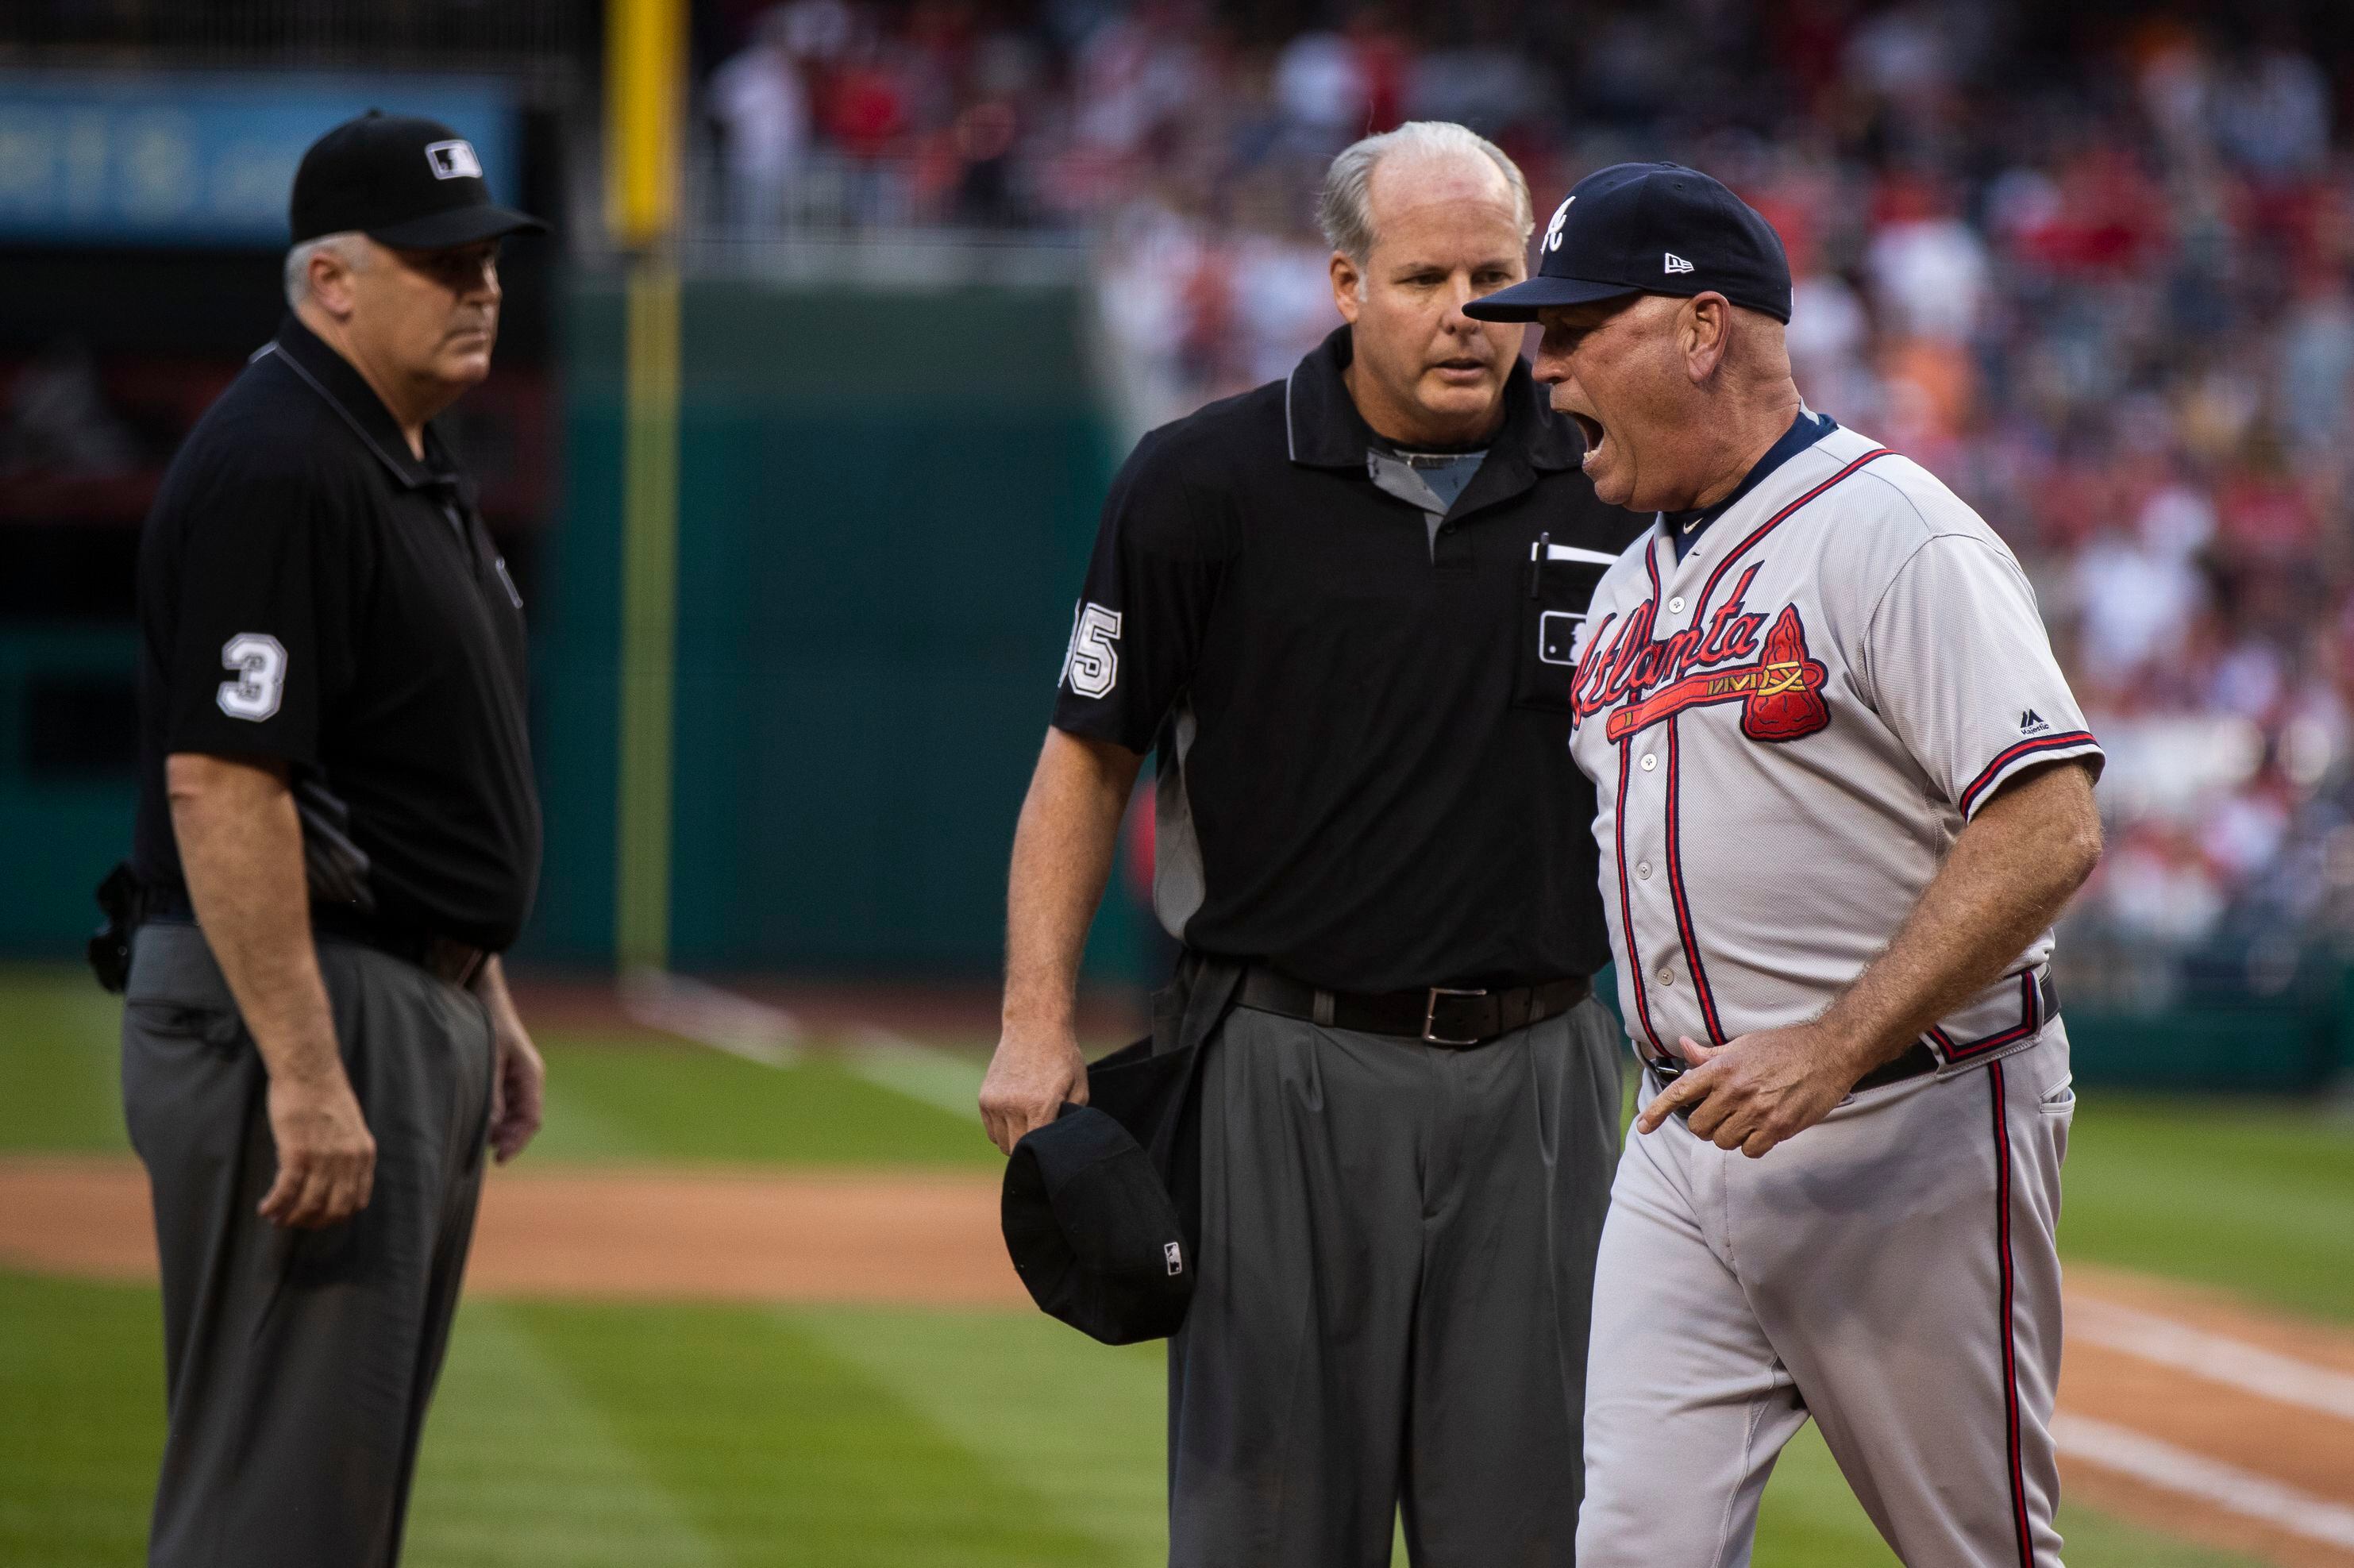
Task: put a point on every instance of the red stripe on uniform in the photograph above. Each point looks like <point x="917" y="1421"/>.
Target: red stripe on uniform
<point x="1685" y="931"/>
<point x="1627" y="903"/>
<point x="1708" y="591"/>
<point x="2024" y="748"/>
<point x="2029" y="1022"/>
<point x="2010" y="1325"/>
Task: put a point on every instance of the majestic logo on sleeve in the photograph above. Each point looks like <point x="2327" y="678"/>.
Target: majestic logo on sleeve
<point x="1725" y="660"/>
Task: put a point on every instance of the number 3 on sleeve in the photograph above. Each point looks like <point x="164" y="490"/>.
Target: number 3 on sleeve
<point x="259" y="662"/>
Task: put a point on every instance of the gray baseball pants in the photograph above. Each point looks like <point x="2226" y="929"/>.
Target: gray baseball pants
<point x="1889" y="1271"/>
<point x="1397" y="1262"/>
<point x="298" y="1363"/>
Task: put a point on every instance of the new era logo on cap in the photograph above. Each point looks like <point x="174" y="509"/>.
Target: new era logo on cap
<point x="453" y="161"/>
<point x="1677" y="263"/>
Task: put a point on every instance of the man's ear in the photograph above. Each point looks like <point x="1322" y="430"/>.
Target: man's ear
<point x="332" y="281"/>
<point x="1346" y="283"/>
<point x="1704" y="333"/>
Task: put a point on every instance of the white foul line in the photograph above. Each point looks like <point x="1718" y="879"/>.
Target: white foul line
<point x="2214" y="1356"/>
<point x="719" y="1019"/>
<point x="2177" y="1470"/>
<point x="940" y="1079"/>
<point x="769" y="1035"/>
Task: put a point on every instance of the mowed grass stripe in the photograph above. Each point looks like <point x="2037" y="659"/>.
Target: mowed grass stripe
<point x="784" y="1453"/>
<point x="81" y="1421"/>
<point x="60" y="1064"/>
<point x="2255" y="1197"/>
<point x="1080" y="1423"/>
<point x="621" y="1097"/>
<point x="578" y="1435"/>
<point x="521" y="1467"/>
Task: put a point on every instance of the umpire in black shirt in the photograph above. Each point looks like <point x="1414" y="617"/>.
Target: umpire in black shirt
<point x="1341" y="608"/>
<point x="337" y="833"/>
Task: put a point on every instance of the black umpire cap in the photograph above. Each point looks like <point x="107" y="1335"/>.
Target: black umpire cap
<point x="1649" y="229"/>
<point x="401" y="181"/>
<point x="1093" y="1232"/>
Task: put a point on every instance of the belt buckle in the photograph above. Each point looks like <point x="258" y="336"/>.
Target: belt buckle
<point x="1430" y="1015"/>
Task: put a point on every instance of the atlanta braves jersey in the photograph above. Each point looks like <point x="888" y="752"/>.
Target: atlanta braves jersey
<point x="1786" y="729"/>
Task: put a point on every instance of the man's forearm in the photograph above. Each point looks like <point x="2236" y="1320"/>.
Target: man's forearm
<point x="240" y="847"/>
<point x="1063" y="852"/>
<point x="2009" y="874"/>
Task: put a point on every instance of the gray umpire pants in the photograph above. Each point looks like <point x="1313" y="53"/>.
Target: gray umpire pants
<point x="298" y="1363"/>
<point x="1396" y="1269"/>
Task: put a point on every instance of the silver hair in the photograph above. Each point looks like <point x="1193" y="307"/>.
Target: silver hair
<point x="1344" y="208"/>
<point x="344" y="243"/>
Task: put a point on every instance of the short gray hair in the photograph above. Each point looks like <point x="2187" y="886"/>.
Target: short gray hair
<point x="344" y="243"/>
<point x="1344" y="208"/>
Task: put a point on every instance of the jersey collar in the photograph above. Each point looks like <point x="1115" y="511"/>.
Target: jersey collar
<point x="1324" y="429"/>
<point x="332" y="376"/>
<point x="1684" y="528"/>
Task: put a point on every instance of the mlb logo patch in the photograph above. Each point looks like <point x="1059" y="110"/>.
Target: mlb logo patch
<point x="453" y="161"/>
<point x="1175" y="1254"/>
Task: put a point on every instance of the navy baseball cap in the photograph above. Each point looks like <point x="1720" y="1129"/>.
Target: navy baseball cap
<point x="1092" y="1231"/>
<point x="401" y="181"/>
<point x="1649" y="229"/>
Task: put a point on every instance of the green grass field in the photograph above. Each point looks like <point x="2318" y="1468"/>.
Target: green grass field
<point x="572" y="1434"/>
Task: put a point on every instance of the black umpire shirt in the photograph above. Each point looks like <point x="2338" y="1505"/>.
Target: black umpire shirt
<point x="309" y="591"/>
<point x="1360" y="692"/>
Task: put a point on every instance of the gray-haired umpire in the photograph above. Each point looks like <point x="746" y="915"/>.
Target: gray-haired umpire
<point x="1340" y="608"/>
<point x="337" y="833"/>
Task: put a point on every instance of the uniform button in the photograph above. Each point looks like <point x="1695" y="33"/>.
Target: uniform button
<point x="1676" y="605"/>
<point x="1650" y="760"/>
<point x="1643" y="870"/>
<point x="1667" y="976"/>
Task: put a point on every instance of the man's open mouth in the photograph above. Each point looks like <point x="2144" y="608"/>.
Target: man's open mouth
<point x="1588" y="427"/>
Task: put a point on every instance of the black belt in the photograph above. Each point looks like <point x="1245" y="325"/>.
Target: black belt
<point x="1456" y="1016"/>
<point x="1915" y="1061"/>
<point x="443" y="958"/>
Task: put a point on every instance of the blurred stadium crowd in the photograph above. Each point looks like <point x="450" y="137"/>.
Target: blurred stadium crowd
<point x="2106" y="298"/>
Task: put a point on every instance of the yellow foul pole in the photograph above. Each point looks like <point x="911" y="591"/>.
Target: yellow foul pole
<point x="645" y="85"/>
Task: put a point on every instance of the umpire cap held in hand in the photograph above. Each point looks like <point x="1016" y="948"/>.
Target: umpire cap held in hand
<point x="401" y="181"/>
<point x="1649" y="229"/>
<point x="1092" y="1231"/>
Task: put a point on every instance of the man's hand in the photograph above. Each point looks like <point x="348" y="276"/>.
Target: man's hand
<point x="1752" y="1092"/>
<point x="327" y="1156"/>
<point x="518" y="1087"/>
<point x="517" y="1094"/>
<point x="1029" y="1078"/>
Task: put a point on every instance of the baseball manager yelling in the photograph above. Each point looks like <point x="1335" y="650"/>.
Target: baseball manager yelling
<point x="1844" y="791"/>
<point x="337" y="833"/>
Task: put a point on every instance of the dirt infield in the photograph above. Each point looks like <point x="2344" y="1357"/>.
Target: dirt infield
<point x="2187" y="1410"/>
<point x="655" y="1233"/>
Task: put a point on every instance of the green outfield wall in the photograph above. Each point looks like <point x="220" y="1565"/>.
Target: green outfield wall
<point x="885" y="505"/>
